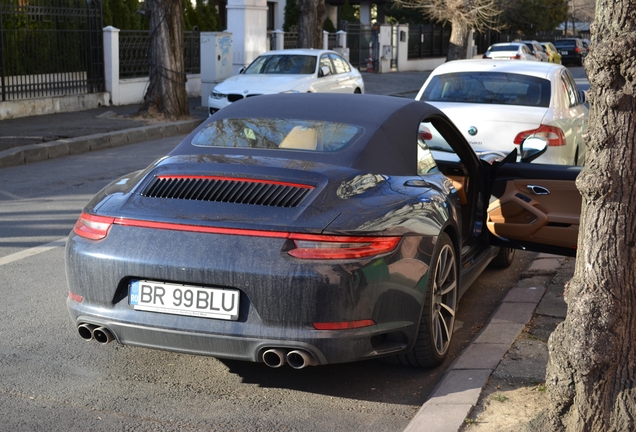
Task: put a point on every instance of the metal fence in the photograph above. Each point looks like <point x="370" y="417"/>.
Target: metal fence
<point x="362" y="42"/>
<point x="50" y="48"/>
<point x="428" y="40"/>
<point x="133" y="53"/>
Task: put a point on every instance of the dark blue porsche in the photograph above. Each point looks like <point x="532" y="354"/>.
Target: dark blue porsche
<point x="309" y="229"/>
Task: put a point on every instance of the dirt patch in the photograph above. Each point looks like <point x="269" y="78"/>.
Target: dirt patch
<point x="506" y="406"/>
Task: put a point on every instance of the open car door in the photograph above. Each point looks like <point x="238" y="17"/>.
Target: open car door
<point x="535" y="207"/>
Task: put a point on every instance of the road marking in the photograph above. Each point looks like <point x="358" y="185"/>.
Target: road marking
<point x="32" y="251"/>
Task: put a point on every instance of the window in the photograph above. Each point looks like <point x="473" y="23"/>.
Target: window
<point x="283" y="64"/>
<point x="274" y="134"/>
<point x="339" y="63"/>
<point x="489" y="88"/>
<point x="571" y="90"/>
<point x="325" y="61"/>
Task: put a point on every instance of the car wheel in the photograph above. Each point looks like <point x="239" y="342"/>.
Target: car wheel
<point x="438" y="314"/>
<point x="357" y="91"/>
<point x="504" y="258"/>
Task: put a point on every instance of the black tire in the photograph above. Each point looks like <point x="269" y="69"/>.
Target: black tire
<point x="357" y="91"/>
<point x="504" y="258"/>
<point x="440" y="305"/>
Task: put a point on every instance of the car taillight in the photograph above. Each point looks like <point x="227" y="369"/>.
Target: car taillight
<point x="554" y="135"/>
<point x="325" y="247"/>
<point x="93" y="227"/>
<point x="485" y="56"/>
<point x="577" y="50"/>
<point x="425" y="133"/>
<point x="516" y="57"/>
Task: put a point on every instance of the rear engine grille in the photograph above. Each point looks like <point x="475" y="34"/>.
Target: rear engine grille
<point x="229" y="190"/>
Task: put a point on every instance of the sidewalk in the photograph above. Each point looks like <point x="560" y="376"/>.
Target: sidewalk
<point x="502" y="354"/>
<point x="30" y="139"/>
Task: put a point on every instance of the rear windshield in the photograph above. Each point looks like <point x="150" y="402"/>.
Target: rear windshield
<point x="489" y="88"/>
<point x="503" y="48"/>
<point x="284" y="134"/>
<point x="565" y="43"/>
<point x="283" y="64"/>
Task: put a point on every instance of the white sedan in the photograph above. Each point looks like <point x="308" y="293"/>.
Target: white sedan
<point x="495" y="105"/>
<point x="510" y="51"/>
<point x="289" y="71"/>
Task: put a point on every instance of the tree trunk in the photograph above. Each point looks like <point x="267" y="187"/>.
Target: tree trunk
<point x="166" y="94"/>
<point x="310" y="22"/>
<point x="591" y="375"/>
<point x="458" y="42"/>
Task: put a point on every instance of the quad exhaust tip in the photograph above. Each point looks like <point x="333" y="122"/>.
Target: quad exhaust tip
<point x="88" y="332"/>
<point x="298" y="359"/>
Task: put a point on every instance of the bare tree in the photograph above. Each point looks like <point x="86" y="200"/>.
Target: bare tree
<point x="591" y="375"/>
<point x="166" y="93"/>
<point x="312" y="15"/>
<point x="463" y="15"/>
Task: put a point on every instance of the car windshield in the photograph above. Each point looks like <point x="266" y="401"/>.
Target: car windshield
<point x="289" y="64"/>
<point x="275" y="133"/>
<point x="565" y="43"/>
<point x="503" y="48"/>
<point x="489" y="88"/>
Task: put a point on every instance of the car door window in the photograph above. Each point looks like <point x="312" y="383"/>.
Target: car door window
<point x="325" y="61"/>
<point x="570" y="90"/>
<point x="339" y="63"/>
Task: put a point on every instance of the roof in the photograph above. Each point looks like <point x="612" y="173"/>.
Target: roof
<point x="387" y="145"/>
<point x="534" y="68"/>
<point x="298" y="51"/>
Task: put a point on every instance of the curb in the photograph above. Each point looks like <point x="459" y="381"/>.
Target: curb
<point x="458" y="392"/>
<point x="49" y="150"/>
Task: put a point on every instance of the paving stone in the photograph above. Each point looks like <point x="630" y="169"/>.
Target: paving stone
<point x="439" y="418"/>
<point x="461" y="386"/>
<point x="545" y="264"/>
<point x="531" y="294"/>
<point x="500" y="333"/>
<point x="513" y="313"/>
<point x="34" y="153"/>
<point x="480" y="356"/>
<point x="553" y="303"/>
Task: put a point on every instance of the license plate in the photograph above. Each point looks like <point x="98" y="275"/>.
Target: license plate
<point x="564" y="52"/>
<point x="188" y="300"/>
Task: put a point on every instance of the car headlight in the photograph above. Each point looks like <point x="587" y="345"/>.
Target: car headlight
<point x="216" y="95"/>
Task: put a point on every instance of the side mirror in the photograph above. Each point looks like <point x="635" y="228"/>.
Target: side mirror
<point x="241" y="70"/>
<point x="532" y="147"/>
<point x="324" y="71"/>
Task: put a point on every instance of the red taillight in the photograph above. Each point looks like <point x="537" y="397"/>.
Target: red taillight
<point x="516" y="57"/>
<point x="93" y="227"/>
<point x="344" y="325"/>
<point x="554" y="135"/>
<point x="485" y="56"/>
<point x="325" y="247"/>
<point x="577" y="50"/>
<point x="425" y="133"/>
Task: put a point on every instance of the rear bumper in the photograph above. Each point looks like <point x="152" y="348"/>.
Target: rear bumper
<point x="326" y="346"/>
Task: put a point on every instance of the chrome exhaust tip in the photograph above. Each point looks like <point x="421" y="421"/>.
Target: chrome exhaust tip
<point x="274" y="357"/>
<point x="102" y="335"/>
<point x="299" y="359"/>
<point x="86" y="331"/>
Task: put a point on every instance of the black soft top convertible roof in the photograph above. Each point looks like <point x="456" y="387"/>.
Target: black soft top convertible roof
<point x="387" y="146"/>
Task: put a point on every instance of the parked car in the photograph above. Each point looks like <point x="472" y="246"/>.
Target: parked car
<point x="497" y="104"/>
<point x="308" y="230"/>
<point x="553" y="53"/>
<point x="536" y="50"/>
<point x="299" y="70"/>
<point x="572" y="50"/>
<point x="509" y="51"/>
